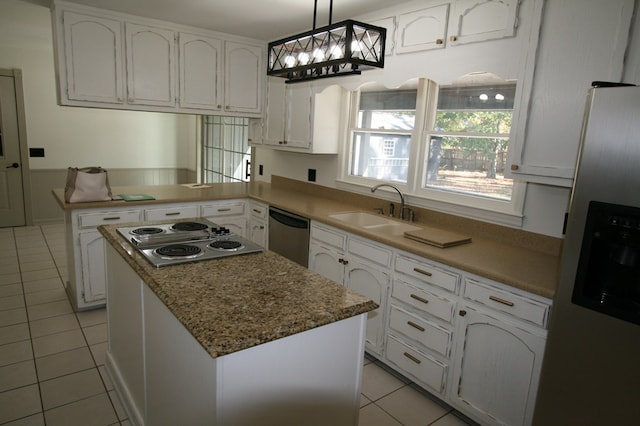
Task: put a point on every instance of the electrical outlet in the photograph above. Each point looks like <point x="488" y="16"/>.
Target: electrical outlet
<point x="312" y="175"/>
<point x="36" y="152"/>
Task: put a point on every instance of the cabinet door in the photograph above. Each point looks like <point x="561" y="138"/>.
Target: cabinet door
<point x="480" y="20"/>
<point x="298" y="115"/>
<point x="94" y="274"/>
<point x="496" y="371"/>
<point x="93" y="58"/>
<point x="237" y="225"/>
<point x="200" y="72"/>
<point x="151" y="65"/>
<point x="274" y="127"/>
<point x="243" y="78"/>
<point x="423" y="29"/>
<point x="326" y="262"/>
<point x="373" y="284"/>
<point x="258" y="232"/>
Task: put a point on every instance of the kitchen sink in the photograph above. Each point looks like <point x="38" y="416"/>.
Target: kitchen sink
<point x="374" y="223"/>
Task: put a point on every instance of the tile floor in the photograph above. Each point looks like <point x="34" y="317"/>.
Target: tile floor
<point x="52" y="359"/>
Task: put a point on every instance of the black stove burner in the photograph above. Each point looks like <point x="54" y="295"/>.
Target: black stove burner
<point x="147" y="231"/>
<point x="225" y="245"/>
<point x="179" y="250"/>
<point x="189" y="226"/>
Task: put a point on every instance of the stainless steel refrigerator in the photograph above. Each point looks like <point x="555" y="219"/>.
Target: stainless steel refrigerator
<point x="591" y="369"/>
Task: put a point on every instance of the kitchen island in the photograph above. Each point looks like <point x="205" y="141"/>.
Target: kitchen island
<point x="243" y="340"/>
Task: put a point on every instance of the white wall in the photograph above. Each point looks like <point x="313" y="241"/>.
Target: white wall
<point x="83" y="136"/>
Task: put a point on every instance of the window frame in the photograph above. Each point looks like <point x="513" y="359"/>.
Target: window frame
<point x="458" y="203"/>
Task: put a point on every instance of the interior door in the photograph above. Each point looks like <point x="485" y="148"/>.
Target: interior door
<point x="11" y="195"/>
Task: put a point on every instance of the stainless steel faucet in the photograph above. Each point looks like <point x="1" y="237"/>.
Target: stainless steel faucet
<point x="401" y="214"/>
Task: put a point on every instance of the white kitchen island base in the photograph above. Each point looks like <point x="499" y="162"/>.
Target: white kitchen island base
<point x="164" y="376"/>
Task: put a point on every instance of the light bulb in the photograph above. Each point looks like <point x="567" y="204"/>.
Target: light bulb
<point x="289" y="61"/>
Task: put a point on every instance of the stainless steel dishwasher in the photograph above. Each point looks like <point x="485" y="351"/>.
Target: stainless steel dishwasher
<point x="289" y="235"/>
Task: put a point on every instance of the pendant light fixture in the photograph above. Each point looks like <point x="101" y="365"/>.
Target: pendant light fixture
<point x="339" y="49"/>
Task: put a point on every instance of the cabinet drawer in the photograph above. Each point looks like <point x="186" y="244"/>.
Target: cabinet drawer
<point x="427" y="273"/>
<point x="425" y="301"/>
<point x="374" y="253"/>
<point x="427" y="334"/>
<point x="424" y="368"/>
<point x="91" y="220"/>
<point x="223" y="209"/>
<point x="259" y="211"/>
<point x="183" y="212"/>
<point x="507" y="302"/>
<point x="335" y="239"/>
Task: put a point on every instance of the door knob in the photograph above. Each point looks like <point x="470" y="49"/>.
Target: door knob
<point x="13" y="166"/>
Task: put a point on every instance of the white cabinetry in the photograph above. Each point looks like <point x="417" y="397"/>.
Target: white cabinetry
<point x="200" y="71"/>
<point x="548" y="135"/>
<point x="258" y="228"/>
<point x="500" y="348"/>
<point x="228" y="214"/>
<point x="109" y="59"/>
<point x="86" y="253"/>
<point x="358" y="264"/>
<point x="93" y="56"/>
<point x="302" y="117"/>
<point x="244" y="76"/>
<point x="172" y="212"/>
<point x="460" y="22"/>
<point x="151" y="65"/>
<point x="420" y="332"/>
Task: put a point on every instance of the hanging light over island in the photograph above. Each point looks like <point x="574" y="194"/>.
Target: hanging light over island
<point x="343" y="48"/>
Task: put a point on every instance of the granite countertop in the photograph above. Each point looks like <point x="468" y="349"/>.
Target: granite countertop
<point x="516" y="258"/>
<point x="233" y="303"/>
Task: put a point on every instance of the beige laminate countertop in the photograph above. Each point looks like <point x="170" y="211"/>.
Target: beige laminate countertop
<point x="233" y="303"/>
<point x="514" y="263"/>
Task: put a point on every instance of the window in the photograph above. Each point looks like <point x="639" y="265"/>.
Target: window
<point x="226" y="154"/>
<point x="445" y="144"/>
<point x="381" y="137"/>
<point x="468" y="145"/>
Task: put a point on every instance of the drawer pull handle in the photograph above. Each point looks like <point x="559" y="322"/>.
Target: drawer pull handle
<point x="224" y="210"/>
<point x="499" y="300"/>
<point x="257" y="211"/>
<point x="412" y="358"/>
<point x="111" y="218"/>
<point x="423" y="272"/>
<point x="414" y="325"/>
<point x="418" y="298"/>
<point x="172" y="214"/>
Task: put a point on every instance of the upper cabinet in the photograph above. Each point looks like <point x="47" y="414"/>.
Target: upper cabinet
<point x="200" y="71"/>
<point x="244" y="74"/>
<point x="110" y="60"/>
<point x="458" y="22"/>
<point x="303" y="117"/>
<point x="568" y="59"/>
<point x="93" y="57"/>
<point x="151" y="65"/>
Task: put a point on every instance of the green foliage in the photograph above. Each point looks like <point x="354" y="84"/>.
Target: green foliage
<point x="491" y="123"/>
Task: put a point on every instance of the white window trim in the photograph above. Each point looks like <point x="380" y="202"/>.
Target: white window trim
<point x="509" y="213"/>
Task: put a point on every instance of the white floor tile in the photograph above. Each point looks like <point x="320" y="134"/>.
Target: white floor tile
<point x="14" y="333"/>
<point x="51" y="309"/>
<point x="13" y="316"/>
<point x="63" y="363"/>
<point x="95" y="333"/>
<point x="411" y="408"/>
<point x="18" y="403"/>
<point x="70" y="388"/>
<point x="52" y="325"/>
<point x="372" y="415"/>
<point x="11" y="302"/>
<point x="92" y="317"/>
<point x="42" y="285"/>
<point x="377" y="382"/>
<point x="59" y="342"/>
<point x="17" y="375"/>
<point x="94" y="411"/>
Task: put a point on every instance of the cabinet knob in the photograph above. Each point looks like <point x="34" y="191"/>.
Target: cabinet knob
<point x="453" y="38"/>
<point x="131" y="100"/>
<point x="462" y="312"/>
<point x="219" y="106"/>
<point x="120" y="99"/>
<point x="439" y="41"/>
<point x="227" y="107"/>
<point x="514" y="167"/>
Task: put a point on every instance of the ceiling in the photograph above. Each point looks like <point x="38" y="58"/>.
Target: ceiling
<point x="261" y="19"/>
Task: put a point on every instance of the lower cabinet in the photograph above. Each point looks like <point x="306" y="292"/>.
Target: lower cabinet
<point x="93" y="265"/>
<point x="258" y="227"/>
<point x="359" y="265"/>
<point x="496" y="369"/>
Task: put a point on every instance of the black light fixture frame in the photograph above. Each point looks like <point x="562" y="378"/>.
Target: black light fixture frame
<point x="361" y="46"/>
